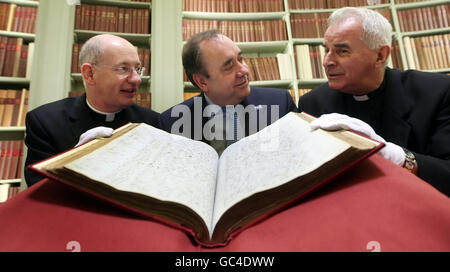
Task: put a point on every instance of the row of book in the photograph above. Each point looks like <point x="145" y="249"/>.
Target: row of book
<point x="263" y="68"/>
<point x="309" y="60"/>
<point x="143" y="53"/>
<point x="271" y="5"/>
<point x="314" y="25"/>
<point x="328" y="4"/>
<point x="424" y="18"/>
<point x="239" y="31"/>
<point x="18" y="18"/>
<point x="15" y="57"/>
<point x="428" y="52"/>
<point x="408" y="1"/>
<point x="395" y="59"/>
<point x="309" y="25"/>
<point x="143" y="99"/>
<point x="11" y="159"/>
<point x="112" y="19"/>
<point x="233" y="5"/>
<point x="7" y="191"/>
<point x="13" y="107"/>
<point x="285" y="66"/>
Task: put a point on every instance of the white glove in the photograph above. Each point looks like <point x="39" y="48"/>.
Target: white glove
<point x="336" y="121"/>
<point x="93" y="133"/>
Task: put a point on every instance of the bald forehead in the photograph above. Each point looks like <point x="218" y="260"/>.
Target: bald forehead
<point x="219" y="52"/>
<point x="205" y="43"/>
<point x="217" y="43"/>
<point x="110" y="40"/>
<point x="117" y="45"/>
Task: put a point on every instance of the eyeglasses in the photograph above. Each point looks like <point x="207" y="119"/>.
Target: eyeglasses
<point x="124" y="70"/>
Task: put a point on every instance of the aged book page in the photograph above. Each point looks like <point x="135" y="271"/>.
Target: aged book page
<point x="277" y="154"/>
<point x="158" y="164"/>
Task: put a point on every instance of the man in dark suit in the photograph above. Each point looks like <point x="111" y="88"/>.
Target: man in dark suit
<point x="407" y="110"/>
<point x="111" y="73"/>
<point x="227" y="108"/>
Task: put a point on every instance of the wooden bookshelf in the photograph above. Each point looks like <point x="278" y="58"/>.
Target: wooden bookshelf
<point x="26" y="23"/>
<point x="318" y="10"/>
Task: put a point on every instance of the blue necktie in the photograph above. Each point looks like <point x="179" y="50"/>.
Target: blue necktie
<point x="235" y="125"/>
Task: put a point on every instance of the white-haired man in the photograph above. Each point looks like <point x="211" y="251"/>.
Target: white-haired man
<point x="408" y="110"/>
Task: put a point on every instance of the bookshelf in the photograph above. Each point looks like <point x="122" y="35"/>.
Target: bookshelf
<point x="436" y="28"/>
<point x="296" y="11"/>
<point x="166" y="82"/>
<point x="17" y="25"/>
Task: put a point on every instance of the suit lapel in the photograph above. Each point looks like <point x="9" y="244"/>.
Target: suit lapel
<point x="397" y="107"/>
<point x="244" y="104"/>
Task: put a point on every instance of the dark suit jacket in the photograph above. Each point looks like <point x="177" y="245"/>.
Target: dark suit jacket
<point x="57" y="126"/>
<point x="258" y="96"/>
<point x="415" y="114"/>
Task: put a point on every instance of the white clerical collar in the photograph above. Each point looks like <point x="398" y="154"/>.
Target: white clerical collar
<point x="109" y="116"/>
<point x="360" y="98"/>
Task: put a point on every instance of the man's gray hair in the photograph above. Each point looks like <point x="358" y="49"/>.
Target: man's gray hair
<point x="377" y="31"/>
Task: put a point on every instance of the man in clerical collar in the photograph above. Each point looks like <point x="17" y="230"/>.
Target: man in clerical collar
<point x="111" y="72"/>
<point x="215" y="65"/>
<point x="407" y="110"/>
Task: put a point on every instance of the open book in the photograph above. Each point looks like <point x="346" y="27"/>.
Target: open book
<point x="184" y="183"/>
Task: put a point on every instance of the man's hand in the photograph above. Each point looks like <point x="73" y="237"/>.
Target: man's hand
<point x="93" y="133"/>
<point x="336" y="121"/>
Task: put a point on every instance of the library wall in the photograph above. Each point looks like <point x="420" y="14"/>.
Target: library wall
<point x="17" y="43"/>
<point x="421" y="30"/>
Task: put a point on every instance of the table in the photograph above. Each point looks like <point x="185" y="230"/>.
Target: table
<point x="374" y="206"/>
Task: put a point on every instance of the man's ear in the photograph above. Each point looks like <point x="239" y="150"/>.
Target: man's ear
<point x="200" y="80"/>
<point x="87" y="71"/>
<point x="383" y="54"/>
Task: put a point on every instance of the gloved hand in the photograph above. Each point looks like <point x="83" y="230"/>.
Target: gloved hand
<point x="93" y="133"/>
<point x="336" y="121"/>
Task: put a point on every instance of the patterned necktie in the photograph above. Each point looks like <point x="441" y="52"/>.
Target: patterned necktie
<point x="235" y="128"/>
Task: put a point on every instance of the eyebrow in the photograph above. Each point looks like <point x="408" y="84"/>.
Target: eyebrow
<point x="230" y="60"/>
<point x="341" y="45"/>
<point x="128" y="64"/>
